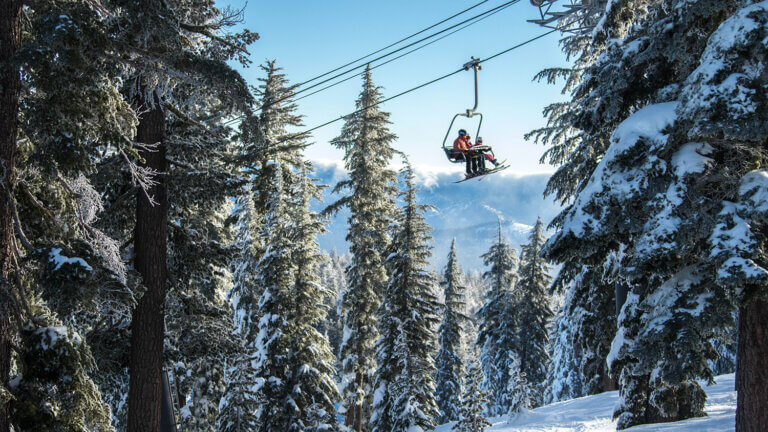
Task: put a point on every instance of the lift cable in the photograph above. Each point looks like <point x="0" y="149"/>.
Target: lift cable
<point x="403" y="54"/>
<point x="386" y="55"/>
<point x="521" y="44"/>
<point x="392" y="44"/>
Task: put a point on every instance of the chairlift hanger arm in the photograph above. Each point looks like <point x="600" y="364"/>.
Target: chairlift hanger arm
<point x="475" y="65"/>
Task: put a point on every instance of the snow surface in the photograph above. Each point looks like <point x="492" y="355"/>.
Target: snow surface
<point x="593" y="414"/>
<point x="56" y="257"/>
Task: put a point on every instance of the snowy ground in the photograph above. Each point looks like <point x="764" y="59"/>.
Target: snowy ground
<point x="593" y="414"/>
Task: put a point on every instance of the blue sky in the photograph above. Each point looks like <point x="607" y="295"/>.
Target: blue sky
<point x="309" y="37"/>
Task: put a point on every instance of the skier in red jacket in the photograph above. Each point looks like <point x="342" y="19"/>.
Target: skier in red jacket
<point x="461" y="150"/>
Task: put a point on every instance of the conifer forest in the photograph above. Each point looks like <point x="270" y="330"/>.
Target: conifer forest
<point x="161" y="223"/>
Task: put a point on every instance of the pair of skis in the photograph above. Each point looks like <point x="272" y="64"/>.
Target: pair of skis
<point x="485" y="174"/>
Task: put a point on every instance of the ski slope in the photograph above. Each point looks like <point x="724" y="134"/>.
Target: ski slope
<point x="593" y="414"/>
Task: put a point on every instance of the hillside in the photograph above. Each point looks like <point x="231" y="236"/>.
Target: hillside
<point x="593" y="414"/>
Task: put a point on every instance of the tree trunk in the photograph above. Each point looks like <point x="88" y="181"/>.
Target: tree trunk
<point x="354" y="418"/>
<point x="751" y="370"/>
<point x="10" y="85"/>
<point x="147" y="326"/>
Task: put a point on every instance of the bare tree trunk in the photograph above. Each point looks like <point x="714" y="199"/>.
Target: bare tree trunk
<point x="147" y="329"/>
<point x="751" y="370"/>
<point x="10" y="85"/>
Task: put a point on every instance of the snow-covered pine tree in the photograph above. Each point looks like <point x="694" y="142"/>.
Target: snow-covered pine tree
<point x="582" y="335"/>
<point x="563" y="377"/>
<point x="660" y="248"/>
<point x="659" y="173"/>
<point x="244" y="295"/>
<point x="535" y="312"/>
<point x="333" y="278"/>
<point x="450" y="357"/>
<point x="264" y="143"/>
<point x="405" y="384"/>
<point x="522" y="394"/>
<point x="176" y="56"/>
<point x="272" y="347"/>
<point x="473" y="400"/>
<point x="313" y="392"/>
<point x="239" y="406"/>
<point x="498" y="323"/>
<point x="63" y="281"/>
<point x="723" y="105"/>
<point x="266" y="140"/>
<point x="293" y="366"/>
<point x="365" y="139"/>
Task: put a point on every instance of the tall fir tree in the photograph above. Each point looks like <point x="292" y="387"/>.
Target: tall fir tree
<point x="498" y="323"/>
<point x="313" y="387"/>
<point x="533" y="308"/>
<point x="473" y="400"/>
<point x="264" y="145"/>
<point x="272" y="346"/>
<point x="62" y="278"/>
<point x="656" y="116"/>
<point x="305" y="397"/>
<point x="333" y="278"/>
<point x="366" y="140"/>
<point x="522" y="394"/>
<point x="451" y="335"/>
<point x="293" y="365"/>
<point x="265" y="138"/>
<point x="177" y="53"/>
<point x="405" y="384"/>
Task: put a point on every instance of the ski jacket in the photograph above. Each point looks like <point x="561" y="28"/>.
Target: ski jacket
<point x="461" y="144"/>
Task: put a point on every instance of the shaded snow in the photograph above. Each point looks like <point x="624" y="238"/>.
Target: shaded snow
<point x="57" y="258"/>
<point x="593" y="414"/>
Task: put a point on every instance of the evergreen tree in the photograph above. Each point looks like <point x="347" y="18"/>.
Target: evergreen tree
<point x="296" y="390"/>
<point x="293" y="365"/>
<point x="265" y="138"/>
<point x="366" y="141"/>
<point x="407" y="317"/>
<point x="333" y="278"/>
<point x="176" y="55"/>
<point x="244" y="296"/>
<point x="473" y="400"/>
<point x="659" y="131"/>
<point x="264" y="143"/>
<point x="62" y="279"/>
<point x="582" y="337"/>
<point x="498" y="323"/>
<point x="533" y="308"/>
<point x="449" y="361"/>
<point x="313" y="388"/>
<point x="272" y="346"/>
<point x="522" y="394"/>
<point x="563" y="377"/>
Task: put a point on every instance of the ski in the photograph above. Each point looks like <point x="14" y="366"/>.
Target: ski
<point x="485" y="174"/>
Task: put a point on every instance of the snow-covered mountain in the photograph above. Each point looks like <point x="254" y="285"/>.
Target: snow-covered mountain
<point x="467" y="211"/>
<point x="593" y="414"/>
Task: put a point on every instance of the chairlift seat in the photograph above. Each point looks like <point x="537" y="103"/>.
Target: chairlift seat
<point x="453" y="156"/>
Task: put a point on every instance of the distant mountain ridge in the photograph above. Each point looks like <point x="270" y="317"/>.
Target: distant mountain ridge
<point x="467" y="211"/>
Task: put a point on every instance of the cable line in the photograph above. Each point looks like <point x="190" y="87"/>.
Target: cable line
<point x="389" y="53"/>
<point x="423" y="85"/>
<point x="392" y="44"/>
<point x="403" y="55"/>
